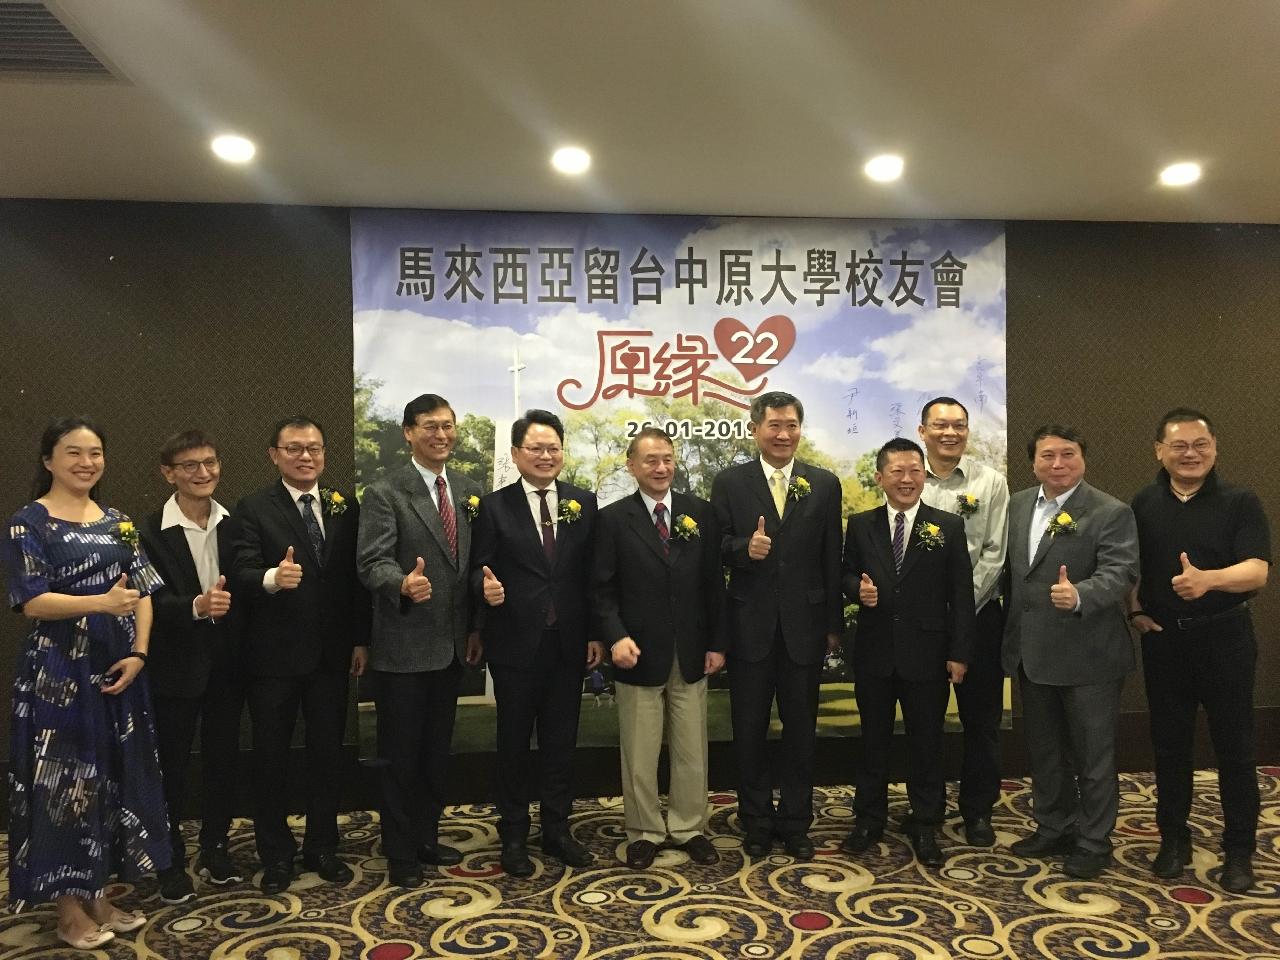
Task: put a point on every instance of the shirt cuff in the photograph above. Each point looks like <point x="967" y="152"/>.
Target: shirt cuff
<point x="269" y="581"/>
<point x="195" y="614"/>
<point x="1076" y="608"/>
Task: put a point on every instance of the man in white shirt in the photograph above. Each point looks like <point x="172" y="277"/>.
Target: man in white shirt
<point x="194" y="659"/>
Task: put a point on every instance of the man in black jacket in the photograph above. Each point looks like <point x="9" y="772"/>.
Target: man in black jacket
<point x="658" y="590"/>
<point x="907" y="566"/>
<point x="531" y="564"/>
<point x="195" y="656"/>
<point x="780" y="538"/>
<point x="307" y="621"/>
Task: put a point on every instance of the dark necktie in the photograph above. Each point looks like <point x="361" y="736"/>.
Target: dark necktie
<point x="899" y="539"/>
<point x="548" y="545"/>
<point x="448" y="519"/>
<point x="660" y="521"/>
<point x="312" y="524"/>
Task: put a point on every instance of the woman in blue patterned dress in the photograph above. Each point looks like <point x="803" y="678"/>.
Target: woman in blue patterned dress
<point x="85" y="792"/>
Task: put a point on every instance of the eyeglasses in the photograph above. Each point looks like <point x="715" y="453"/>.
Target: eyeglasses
<point x="191" y="466"/>
<point x="432" y="426"/>
<point x="543" y="451"/>
<point x="1179" y="447"/>
<point x="298" y="449"/>
<point x="959" y="426"/>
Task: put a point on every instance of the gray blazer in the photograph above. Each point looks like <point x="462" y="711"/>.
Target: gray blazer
<point x="1064" y="648"/>
<point x="399" y="522"/>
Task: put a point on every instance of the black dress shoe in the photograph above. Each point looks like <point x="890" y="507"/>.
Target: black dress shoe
<point x="175" y="885"/>
<point x="567" y="850"/>
<point x="798" y="846"/>
<point x="1174" y="854"/>
<point x="439" y="854"/>
<point x="925" y="843"/>
<point x="1039" y="845"/>
<point x="404" y="873"/>
<point x="759" y="843"/>
<point x="700" y="850"/>
<point x="329" y="867"/>
<point x="640" y="854"/>
<point x="515" y="858"/>
<point x="978" y="832"/>
<point x="1237" y="871"/>
<point x="276" y="877"/>
<point x="861" y="839"/>
<point x="1085" y="865"/>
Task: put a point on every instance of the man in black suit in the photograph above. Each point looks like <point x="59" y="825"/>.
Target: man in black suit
<point x="531" y="563"/>
<point x="658" y="590"/>
<point x="195" y="656"/>
<point x="907" y="566"/>
<point x="306" y="626"/>
<point x="780" y="537"/>
<point x="414" y="555"/>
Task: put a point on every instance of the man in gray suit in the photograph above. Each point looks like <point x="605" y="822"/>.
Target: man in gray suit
<point x="414" y="548"/>
<point x="1073" y="556"/>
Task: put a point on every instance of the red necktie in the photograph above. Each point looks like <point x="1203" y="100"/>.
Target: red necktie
<point x="660" y="521"/>
<point x="448" y="519"/>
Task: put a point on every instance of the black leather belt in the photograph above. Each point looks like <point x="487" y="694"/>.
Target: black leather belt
<point x="1190" y="623"/>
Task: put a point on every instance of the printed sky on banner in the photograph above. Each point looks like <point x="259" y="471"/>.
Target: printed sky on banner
<point x="862" y="343"/>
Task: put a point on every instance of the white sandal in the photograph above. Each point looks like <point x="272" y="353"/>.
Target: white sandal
<point x="91" y="940"/>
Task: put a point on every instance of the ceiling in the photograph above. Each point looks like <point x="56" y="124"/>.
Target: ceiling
<point x="1014" y="109"/>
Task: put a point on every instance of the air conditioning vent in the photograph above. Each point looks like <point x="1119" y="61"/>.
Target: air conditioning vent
<point x="34" y="44"/>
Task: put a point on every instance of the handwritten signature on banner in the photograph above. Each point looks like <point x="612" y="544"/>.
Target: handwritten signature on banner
<point x="628" y="366"/>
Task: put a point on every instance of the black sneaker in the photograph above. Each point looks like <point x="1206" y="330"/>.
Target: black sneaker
<point x="216" y="866"/>
<point x="176" y="886"/>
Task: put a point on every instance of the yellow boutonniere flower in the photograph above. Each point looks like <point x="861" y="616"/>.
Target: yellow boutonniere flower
<point x="127" y="533"/>
<point x="687" y="527"/>
<point x="1062" y="523"/>
<point x="333" y="502"/>
<point x="471" y="507"/>
<point x="570" y="510"/>
<point x="968" y="504"/>
<point x="799" y="488"/>
<point x="929" y="535"/>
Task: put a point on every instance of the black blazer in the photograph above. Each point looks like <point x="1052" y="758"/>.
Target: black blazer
<point x="185" y="653"/>
<point x="798" y="583"/>
<point x="293" y="632"/>
<point x="668" y="603"/>
<point x="505" y="538"/>
<point x="924" y="616"/>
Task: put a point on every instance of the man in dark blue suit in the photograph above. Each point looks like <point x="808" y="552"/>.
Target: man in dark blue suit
<point x="531" y="564"/>
<point x="780" y="538"/>
<point x="907" y="566"/>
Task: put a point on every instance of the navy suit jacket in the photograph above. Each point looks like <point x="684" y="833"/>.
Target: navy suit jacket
<point x="506" y="540"/>
<point x="669" y="601"/>
<point x="924" y="615"/>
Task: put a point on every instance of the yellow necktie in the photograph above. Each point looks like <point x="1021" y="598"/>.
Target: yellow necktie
<point x="779" y="484"/>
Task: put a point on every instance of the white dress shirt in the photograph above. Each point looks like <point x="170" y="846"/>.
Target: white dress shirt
<point x="429" y="478"/>
<point x="535" y="505"/>
<point x="201" y="541"/>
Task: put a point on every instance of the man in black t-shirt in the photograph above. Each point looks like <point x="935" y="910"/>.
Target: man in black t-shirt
<point x="1205" y="550"/>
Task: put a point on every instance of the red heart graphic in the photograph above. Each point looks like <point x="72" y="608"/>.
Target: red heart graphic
<point x="755" y="354"/>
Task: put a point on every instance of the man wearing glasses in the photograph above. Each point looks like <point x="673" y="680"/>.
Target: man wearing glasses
<point x="414" y="555"/>
<point x="531" y="565"/>
<point x="1205" y="550"/>
<point x="307" y="626"/>
<point x="959" y="484"/>
<point x="195" y="655"/>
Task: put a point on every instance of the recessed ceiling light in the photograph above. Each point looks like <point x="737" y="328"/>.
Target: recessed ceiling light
<point x="885" y="168"/>
<point x="233" y="149"/>
<point x="571" y="160"/>
<point x="1180" y="174"/>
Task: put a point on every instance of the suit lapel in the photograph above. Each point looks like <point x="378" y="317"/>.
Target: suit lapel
<point x="643" y="526"/>
<point x="176" y="541"/>
<point x="515" y="500"/>
<point x="882" y="540"/>
<point x="680" y="506"/>
<point x="463" y="521"/>
<point x="790" y="504"/>
<point x="1077" y="506"/>
<point x="293" y="517"/>
<point x="760" y="486"/>
<point x="420" y="499"/>
<point x="911" y="549"/>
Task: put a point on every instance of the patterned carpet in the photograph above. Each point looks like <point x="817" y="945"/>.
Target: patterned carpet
<point x="881" y="906"/>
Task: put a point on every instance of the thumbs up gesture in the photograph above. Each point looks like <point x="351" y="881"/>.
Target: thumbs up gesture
<point x="1192" y="583"/>
<point x="759" y="545"/>
<point x="415" y="584"/>
<point x="868" y="593"/>
<point x="120" y="601"/>
<point x="215" y="602"/>
<point x="492" y="588"/>
<point x="288" y="573"/>
<point x="1063" y="594"/>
